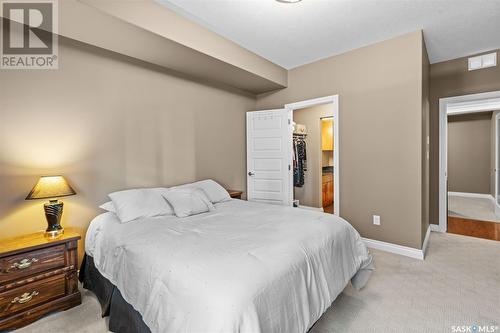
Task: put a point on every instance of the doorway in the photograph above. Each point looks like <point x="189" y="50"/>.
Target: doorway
<point x="468" y="165"/>
<point x="316" y="126"/>
<point x="270" y="153"/>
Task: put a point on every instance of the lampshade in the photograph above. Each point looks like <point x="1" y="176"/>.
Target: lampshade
<point x="50" y="187"/>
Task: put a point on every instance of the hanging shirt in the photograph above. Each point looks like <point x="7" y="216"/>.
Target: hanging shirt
<point x="300" y="161"/>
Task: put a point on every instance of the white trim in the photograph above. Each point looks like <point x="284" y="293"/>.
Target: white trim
<point x="469" y="98"/>
<point x="318" y="209"/>
<point x="290" y="161"/>
<point x="490" y="104"/>
<point x="496" y="157"/>
<point x="426" y="240"/>
<point x="394" y="248"/>
<point x="312" y="102"/>
<point x="334" y="99"/>
<point x="443" y="167"/>
<point x="336" y="155"/>
<point x="471" y="195"/>
<point x="436" y="228"/>
<point x="457" y="105"/>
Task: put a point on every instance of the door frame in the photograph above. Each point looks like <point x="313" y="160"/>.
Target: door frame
<point x="497" y="157"/>
<point x="334" y="100"/>
<point x="489" y="101"/>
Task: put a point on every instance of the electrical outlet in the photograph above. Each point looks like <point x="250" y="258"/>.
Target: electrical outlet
<point x="376" y="219"/>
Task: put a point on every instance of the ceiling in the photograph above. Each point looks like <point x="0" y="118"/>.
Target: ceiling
<point x="291" y="35"/>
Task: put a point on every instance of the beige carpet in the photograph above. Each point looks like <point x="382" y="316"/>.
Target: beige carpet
<point x="457" y="284"/>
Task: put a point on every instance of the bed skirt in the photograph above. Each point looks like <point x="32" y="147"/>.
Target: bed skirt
<point x="123" y="318"/>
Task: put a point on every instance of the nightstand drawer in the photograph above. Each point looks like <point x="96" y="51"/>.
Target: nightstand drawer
<point x="28" y="263"/>
<point x="32" y="294"/>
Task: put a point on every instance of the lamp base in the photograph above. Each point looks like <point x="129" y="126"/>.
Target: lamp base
<point x="54" y="234"/>
<point x="53" y="212"/>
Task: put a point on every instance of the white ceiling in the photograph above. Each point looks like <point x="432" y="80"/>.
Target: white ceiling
<point x="291" y="35"/>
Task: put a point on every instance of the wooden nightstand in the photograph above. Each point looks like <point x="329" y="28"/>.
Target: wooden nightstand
<point x="38" y="275"/>
<point x="235" y="194"/>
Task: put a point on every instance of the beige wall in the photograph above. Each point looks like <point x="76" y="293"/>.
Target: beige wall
<point x="311" y="193"/>
<point x="451" y="78"/>
<point x="469" y="153"/>
<point x="425" y="140"/>
<point x="380" y="91"/>
<point x="108" y="123"/>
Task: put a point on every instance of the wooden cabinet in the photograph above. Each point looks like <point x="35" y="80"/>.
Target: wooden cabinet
<point x="327" y="190"/>
<point x="327" y="134"/>
<point x="327" y="148"/>
<point x="38" y="275"/>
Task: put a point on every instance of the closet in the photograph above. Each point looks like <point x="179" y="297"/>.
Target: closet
<point x="289" y="161"/>
<point x="313" y="177"/>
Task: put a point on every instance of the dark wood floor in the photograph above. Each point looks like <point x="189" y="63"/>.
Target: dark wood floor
<point x="474" y="228"/>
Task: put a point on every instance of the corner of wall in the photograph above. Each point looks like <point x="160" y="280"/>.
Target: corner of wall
<point x="425" y="139"/>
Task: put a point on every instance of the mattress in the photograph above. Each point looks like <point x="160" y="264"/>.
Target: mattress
<point x="245" y="267"/>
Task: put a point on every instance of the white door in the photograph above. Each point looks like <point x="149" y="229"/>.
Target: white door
<point x="269" y="157"/>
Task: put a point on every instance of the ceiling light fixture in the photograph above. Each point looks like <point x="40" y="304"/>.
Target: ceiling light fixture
<point x="288" y="1"/>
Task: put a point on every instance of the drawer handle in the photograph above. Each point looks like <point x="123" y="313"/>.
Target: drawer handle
<point x="25" y="298"/>
<point x="25" y="263"/>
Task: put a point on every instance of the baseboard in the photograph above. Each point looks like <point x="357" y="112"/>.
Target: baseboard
<point x="436" y="228"/>
<point x="319" y="209"/>
<point x="471" y="195"/>
<point x="394" y="248"/>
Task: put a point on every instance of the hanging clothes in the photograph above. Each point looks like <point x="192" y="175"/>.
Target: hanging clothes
<point x="299" y="160"/>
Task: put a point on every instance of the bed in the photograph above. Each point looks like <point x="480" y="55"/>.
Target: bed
<point x="243" y="267"/>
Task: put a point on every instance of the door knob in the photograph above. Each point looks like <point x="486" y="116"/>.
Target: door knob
<point x="250" y="173"/>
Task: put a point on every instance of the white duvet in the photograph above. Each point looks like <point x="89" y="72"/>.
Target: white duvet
<point x="245" y="267"/>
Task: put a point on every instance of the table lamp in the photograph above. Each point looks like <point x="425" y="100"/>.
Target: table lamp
<point x="52" y="187"/>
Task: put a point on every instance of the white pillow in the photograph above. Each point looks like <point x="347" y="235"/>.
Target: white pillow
<point x="214" y="191"/>
<point x="108" y="206"/>
<point x="136" y="203"/>
<point x="188" y="201"/>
